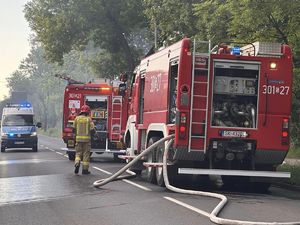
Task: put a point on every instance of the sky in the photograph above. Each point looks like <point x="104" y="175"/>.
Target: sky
<point x="14" y="39"/>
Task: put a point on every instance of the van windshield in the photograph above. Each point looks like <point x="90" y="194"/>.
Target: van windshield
<point x="18" y="120"/>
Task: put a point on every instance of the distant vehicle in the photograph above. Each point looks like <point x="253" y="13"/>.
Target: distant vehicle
<point x="17" y="127"/>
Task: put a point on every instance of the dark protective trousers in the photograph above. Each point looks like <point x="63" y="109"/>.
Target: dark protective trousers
<point x="83" y="150"/>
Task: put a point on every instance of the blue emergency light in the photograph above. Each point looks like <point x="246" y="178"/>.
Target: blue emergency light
<point x="236" y="50"/>
<point x="11" y="134"/>
<point x="25" y="105"/>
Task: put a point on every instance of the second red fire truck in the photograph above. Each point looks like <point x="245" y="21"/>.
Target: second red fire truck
<point x="229" y="108"/>
<point x="108" y="112"/>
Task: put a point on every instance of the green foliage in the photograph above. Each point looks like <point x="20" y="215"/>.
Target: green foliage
<point x="213" y="19"/>
<point x="36" y="76"/>
<point x="63" y="25"/>
<point x="295" y="173"/>
<point x="173" y="19"/>
<point x="294" y="152"/>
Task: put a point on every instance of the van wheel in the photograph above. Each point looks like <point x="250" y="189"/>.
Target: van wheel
<point x="151" y="158"/>
<point x="35" y="148"/>
<point x="71" y="156"/>
<point x="2" y="149"/>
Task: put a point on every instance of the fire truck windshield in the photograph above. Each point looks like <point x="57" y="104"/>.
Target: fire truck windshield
<point x="18" y="120"/>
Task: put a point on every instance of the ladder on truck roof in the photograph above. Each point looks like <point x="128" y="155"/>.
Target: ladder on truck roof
<point x="199" y="97"/>
<point x="116" y="118"/>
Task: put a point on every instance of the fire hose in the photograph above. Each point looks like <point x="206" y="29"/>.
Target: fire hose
<point x="213" y="216"/>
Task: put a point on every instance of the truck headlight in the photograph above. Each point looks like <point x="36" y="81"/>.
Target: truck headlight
<point x="3" y="135"/>
<point x="33" y="134"/>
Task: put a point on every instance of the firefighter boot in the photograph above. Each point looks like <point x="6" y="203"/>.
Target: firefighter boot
<point x="86" y="172"/>
<point x="85" y="167"/>
<point x="77" y="165"/>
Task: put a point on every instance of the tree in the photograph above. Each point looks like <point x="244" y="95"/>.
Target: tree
<point x="171" y="19"/>
<point x="63" y="25"/>
<point x="36" y="76"/>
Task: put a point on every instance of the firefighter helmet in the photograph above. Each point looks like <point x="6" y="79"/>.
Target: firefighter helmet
<point x="85" y="109"/>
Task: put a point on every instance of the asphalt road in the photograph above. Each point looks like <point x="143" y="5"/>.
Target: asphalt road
<point x="40" y="188"/>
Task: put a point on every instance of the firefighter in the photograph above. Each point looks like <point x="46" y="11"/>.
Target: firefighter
<point x="84" y="127"/>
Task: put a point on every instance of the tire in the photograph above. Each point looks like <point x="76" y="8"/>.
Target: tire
<point x="137" y="172"/>
<point x="151" y="171"/>
<point x="117" y="159"/>
<point x="230" y="182"/>
<point x="71" y="156"/>
<point x="2" y="149"/>
<point x="35" y="148"/>
<point x="261" y="187"/>
<point x="159" y="170"/>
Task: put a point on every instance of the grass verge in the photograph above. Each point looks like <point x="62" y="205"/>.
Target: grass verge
<point x="294" y="153"/>
<point x="295" y="173"/>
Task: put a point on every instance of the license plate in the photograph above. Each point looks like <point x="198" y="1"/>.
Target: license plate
<point x="232" y="133"/>
<point x="19" y="142"/>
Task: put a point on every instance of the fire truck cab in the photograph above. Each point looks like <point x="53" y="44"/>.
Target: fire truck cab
<point x="229" y="108"/>
<point x="108" y="112"/>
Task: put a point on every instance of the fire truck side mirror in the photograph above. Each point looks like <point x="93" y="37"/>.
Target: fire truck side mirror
<point x="39" y="124"/>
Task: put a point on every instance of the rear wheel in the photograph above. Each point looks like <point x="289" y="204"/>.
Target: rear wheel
<point x="151" y="158"/>
<point x="230" y="182"/>
<point x="71" y="156"/>
<point x="261" y="187"/>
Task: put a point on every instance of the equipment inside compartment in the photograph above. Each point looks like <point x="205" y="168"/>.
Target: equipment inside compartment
<point x="99" y="117"/>
<point x="99" y="114"/>
<point x="235" y="93"/>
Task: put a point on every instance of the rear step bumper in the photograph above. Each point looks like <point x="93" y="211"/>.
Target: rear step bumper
<point x="246" y="173"/>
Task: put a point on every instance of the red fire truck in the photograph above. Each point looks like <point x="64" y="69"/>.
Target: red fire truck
<point x="229" y="108"/>
<point x="108" y="112"/>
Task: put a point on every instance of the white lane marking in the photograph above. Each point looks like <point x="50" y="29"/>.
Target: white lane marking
<point x="127" y="181"/>
<point x="49" y="149"/>
<point x="137" y="185"/>
<point x="109" y="173"/>
<point x="66" y="156"/>
<point x="42" y="145"/>
<point x="103" y="171"/>
<point x="188" y="206"/>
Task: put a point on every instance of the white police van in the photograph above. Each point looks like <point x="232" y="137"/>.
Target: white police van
<point x="17" y="127"/>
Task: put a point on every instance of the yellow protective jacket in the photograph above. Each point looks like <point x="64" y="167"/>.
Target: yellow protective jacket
<point x="83" y="126"/>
